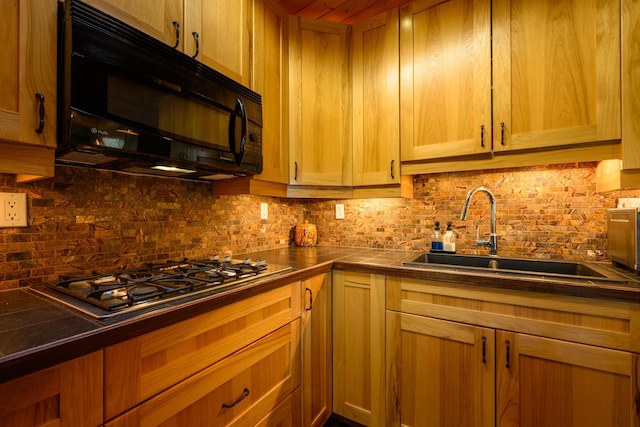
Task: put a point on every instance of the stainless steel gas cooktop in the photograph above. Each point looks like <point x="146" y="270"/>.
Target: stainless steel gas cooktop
<point x="107" y="295"/>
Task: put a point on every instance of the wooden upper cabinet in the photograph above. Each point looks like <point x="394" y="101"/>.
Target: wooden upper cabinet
<point x="270" y="71"/>
<point x="445" y="77"/>
<point x="223" y="36"/>
<point x="28" y="87"/>
<point x="153" y="17"/>
<point x="217" y="31"/>
<point x="556" y="73"/>
<point x="376" y="90"/>
<point x="320" y="103"/>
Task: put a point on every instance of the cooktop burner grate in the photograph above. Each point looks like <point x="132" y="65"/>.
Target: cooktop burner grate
<point x="124" y="291"/>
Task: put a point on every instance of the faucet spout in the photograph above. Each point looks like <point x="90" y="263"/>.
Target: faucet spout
<point x="493" y="238"/>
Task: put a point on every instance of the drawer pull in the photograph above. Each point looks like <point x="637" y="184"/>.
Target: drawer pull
<point x="244" y="394"/>
<point x="40" y="99"/>
<point x="484" y="350"/>
<point x="176" y="24"/>
<point x="196" y="37"/>
<point x="508" y="354"/>
<point x="310" y="299"/>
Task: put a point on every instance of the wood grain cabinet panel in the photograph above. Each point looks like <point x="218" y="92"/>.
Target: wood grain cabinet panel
<point x="224" y="36"/>
<point x="440" y="373"/>
<point x="240" y="390"/>
<point x="547" y="359"/>
<point x="376" y="91"/>
<point x="155" y="18"/>
<point x="358" y="347"/>
<point x="66" y="395"/>
<point x="215" y="32"/>
<point x="316" y="351"/>
<point x="286" y="414"/>
<point x="142" y="367"/>
<point x="556" y="73"/>
<point x="445" y="60"/>
<point x="320" y="119"/>
<point x="270" y="79"/>
<point x="543" y="382"/>
<point x="28" y="75"/>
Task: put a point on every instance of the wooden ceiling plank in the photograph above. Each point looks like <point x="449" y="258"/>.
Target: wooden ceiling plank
<point x="293" y="7"/>
<point x="376" y="8"/>
<point x="345" y="11"/>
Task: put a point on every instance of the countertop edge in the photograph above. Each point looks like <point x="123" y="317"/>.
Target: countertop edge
<point x="364" y="260"/>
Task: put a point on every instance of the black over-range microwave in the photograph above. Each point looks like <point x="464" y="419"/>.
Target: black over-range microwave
<point x="131" y="103"/>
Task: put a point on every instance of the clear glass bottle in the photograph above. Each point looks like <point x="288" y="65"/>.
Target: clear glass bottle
<point x="449" y="239"/>
<point x="436" y="241"/>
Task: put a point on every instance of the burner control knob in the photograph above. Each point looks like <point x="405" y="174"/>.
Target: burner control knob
<point x="247" y="261"/>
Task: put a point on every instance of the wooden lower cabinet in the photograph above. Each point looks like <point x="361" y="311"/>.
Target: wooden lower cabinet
<point x="316" y="351"/>
<point x="545" y="382"/>
<point x="358" y="347"/>
<point x="142" y="367"/>
<point x="452" y="362"/>
<point x="240" y="390"/>
<point x="66" y="395"/>
<point x="439" y="373"/>
<point x="286" y="414"/>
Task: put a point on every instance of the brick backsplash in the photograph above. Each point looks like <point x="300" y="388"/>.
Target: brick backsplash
<point x="85" y="220"/>
<point x="543" y="212"/>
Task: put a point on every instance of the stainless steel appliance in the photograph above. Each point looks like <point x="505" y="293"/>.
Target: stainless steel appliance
<point x="104" y="296"/>
<point x="622" y="234"/>
<point x="131" y="103"/>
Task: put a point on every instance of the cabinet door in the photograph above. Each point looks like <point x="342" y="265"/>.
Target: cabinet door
<point x="320" y="103"/>
<point x="316" y="350"/>
<point x="445" y="60"/>
<point x="376" y="91"/>
<point x="238" y="391"/>
<point x="28" y="68"/>
<point x="439" y="373"/>
<point x="162" y="19"/>
<point x="270" y="79"/>
<point x="556" y="73"/>
<point x="66" y="395"/>
<point x="358" y="347"/>
<point x="222" y="36"/>
<point x="545" y="382"/>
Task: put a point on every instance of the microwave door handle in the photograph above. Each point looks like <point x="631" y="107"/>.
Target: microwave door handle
<point x="237" y="141"/>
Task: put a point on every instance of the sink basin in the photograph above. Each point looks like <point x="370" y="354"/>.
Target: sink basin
<point x="566" y="269"/>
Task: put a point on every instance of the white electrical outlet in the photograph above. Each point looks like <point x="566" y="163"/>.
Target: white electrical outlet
<point x="13" y="210"/>
<point x="264" y="211"/>
<point x="339" y="211"/>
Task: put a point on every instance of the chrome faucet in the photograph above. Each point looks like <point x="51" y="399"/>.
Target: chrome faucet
<point x="493" y="238"/>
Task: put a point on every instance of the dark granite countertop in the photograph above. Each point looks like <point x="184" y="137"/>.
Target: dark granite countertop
<point x="36" y="332"/>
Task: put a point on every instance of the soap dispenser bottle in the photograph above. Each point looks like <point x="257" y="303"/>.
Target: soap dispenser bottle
<point x="436" y="242"/>
<point x="449" y="239"/>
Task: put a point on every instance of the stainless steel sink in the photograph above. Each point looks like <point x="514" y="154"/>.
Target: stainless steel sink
<point x="564" y="269"/>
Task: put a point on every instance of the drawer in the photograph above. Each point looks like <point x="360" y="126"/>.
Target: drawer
<point x="68" y="394"/>
<point x="605" y="323"/>
<point x="142" y="367"/>
<point x="239" y="390"/>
